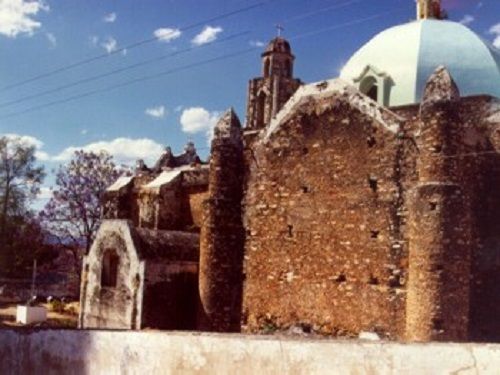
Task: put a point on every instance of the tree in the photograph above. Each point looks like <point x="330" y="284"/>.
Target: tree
<point x="20" y="181"/>
<point x="74" y="211"/>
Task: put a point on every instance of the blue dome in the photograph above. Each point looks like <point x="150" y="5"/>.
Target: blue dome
<point x="399" y="60"/>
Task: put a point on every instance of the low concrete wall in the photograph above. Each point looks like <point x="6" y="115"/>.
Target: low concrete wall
<point x="111" y="352"/>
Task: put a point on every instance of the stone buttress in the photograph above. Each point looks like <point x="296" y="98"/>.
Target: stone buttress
<point x="440" y="221"/>
<point x="222" y="234"/>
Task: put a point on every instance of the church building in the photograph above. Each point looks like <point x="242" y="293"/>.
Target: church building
<point x="367" y="202"/>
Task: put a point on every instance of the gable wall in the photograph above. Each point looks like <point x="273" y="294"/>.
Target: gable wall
<point x="311" y="256"/>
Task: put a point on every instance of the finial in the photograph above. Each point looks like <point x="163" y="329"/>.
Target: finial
<point x="280" y="29"/>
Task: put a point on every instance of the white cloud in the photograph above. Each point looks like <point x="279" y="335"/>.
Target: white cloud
<point x="496" y="41"/>
<point x="198" y="119"/>
<point x="28" y="140"/>
<point x="208" y="35"/>
<point x="110" y="44"/>
<point x="495" y="30"/>
<point x="52" y="39"/>
<point x="257" y="43"/>
<point x="467" y="19"/>
<point x="166" y="34"/>
<point x="124" y="150"/>
<point x="110" y="18"/>
<point x="156" y="112"/>
<point x="16" y="16"/>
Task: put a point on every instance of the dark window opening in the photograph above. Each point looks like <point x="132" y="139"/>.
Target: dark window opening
<point x="290" y="230"/>
<point x="374" y="233"/>
<point x="371" y="141"/>
<point x="372" y="280"/>
<point x="373" y="92"/>
<point x="109" y="272"/>
<point x="341" y="278"/>
<point x="266" y="68"/>
<point x="305" y="189"/>
<point x="372" y="181"/>
<point x="261" y="104"/>
<point x="433" y="206"/>
<point x="369" y="87"/>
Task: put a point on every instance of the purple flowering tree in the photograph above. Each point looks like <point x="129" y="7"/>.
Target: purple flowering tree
<point x="73" y="214"/>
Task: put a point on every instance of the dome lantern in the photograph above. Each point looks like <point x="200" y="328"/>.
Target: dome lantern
<point x="429" y="9"/>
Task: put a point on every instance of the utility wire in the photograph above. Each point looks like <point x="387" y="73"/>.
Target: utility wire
<point x="341" y="25"/>
<point x="159" y="58"/>
<point x="319" y="11"/>
<point x="182" y="68"/>
<point x="120" y="70"/>
<point x="128" y="83"/>
<point x="132" y="45"/>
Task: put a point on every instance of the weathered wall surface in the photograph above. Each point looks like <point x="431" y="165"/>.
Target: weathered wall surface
<point x="170" y="298"/>
<point x="325" y="246"/>
<point x="112" y="307"/>
<point x="482" y="134"/>
<point x="98" y="352"/>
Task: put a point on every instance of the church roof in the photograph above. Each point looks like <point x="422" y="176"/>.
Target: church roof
<point x="406" y="55"/>
<point x="167" y="245"/>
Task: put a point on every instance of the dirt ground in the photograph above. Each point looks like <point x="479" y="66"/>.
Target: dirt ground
<point x="61" y="319"/>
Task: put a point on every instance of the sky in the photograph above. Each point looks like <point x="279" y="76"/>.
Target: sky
<point x="133" y="76"/>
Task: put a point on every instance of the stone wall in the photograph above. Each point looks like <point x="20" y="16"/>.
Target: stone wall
<point x="107" y="352"/>
<point x="170" y="298"/>
<point x="325" y="248"/>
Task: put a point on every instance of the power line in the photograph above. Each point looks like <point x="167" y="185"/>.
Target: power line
<point x="182" y="68"/>
<point x="338" y="26"/>
<point x="132" y="45"/>
<point x="319" y="11"/>
<point x="128" y="83"/>
<point x="117" y="71"/>
<point x="159" y="58"/>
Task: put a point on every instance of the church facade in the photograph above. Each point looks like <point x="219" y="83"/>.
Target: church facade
<point x="369" y="202"/>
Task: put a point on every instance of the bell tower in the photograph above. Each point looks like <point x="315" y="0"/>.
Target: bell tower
<point x="429" y="9"/>
<point x="268" y="94"/>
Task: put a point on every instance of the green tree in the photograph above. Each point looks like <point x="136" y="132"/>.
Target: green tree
<point x="20" y="180"/>
<point x="74" y="212"/>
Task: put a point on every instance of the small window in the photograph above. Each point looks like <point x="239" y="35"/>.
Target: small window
<point x="109" y="271"/>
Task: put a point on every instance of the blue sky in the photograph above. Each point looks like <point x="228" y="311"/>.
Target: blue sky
<point x="137" y="120"/>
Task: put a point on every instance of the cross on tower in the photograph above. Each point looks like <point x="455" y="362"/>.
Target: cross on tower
<point x="280" y="29"/>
